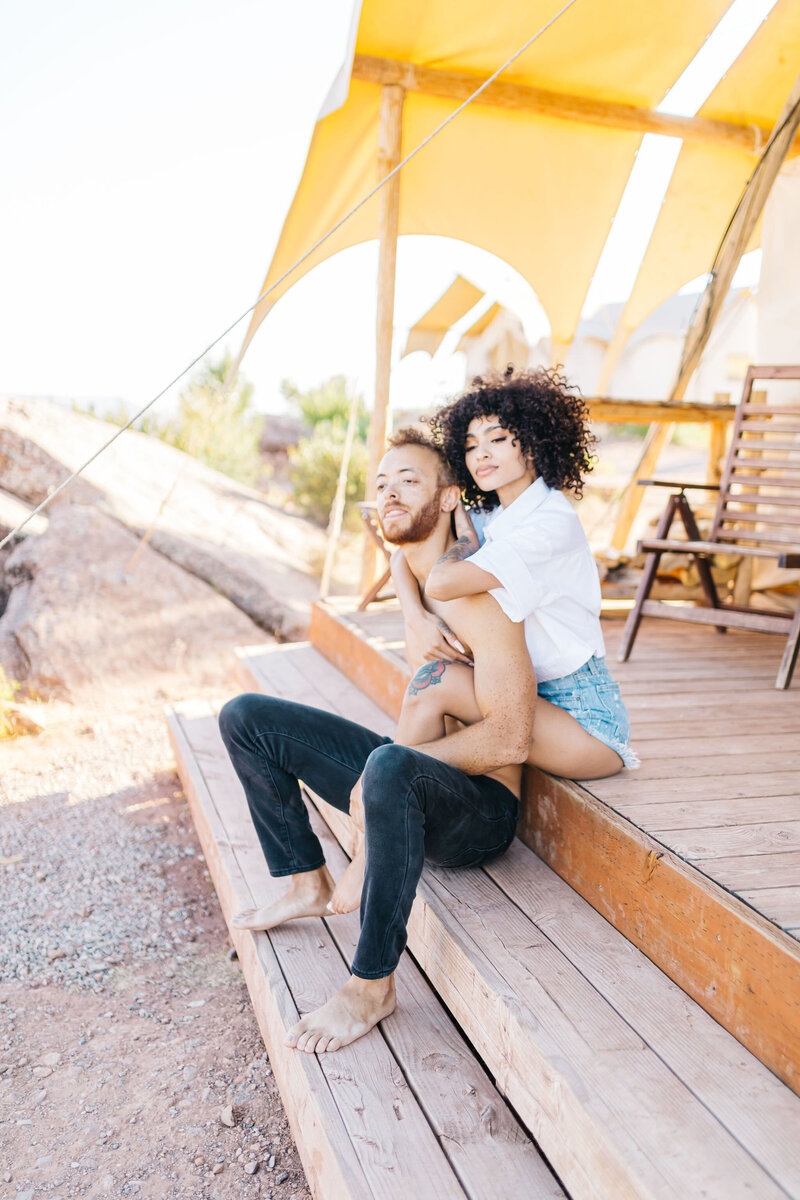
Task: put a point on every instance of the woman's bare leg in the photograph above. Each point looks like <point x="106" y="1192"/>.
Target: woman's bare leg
<point x="560" y="744"/>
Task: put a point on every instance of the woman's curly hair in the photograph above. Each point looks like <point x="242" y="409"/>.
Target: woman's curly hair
<point x="547" y="416"/>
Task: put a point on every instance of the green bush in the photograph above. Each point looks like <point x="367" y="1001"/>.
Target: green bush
<point x="328" y="402"/>
<point x="314" y="465"/>
<point x="220" y="431"/>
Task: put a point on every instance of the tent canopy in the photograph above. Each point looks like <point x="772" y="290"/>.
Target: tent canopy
<point x="534" y="170"/>
<point x="430" y="329"/>
<point x="708" y="180"/>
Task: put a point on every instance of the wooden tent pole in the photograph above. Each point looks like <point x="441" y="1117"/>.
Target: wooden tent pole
<point x="732" y="247"/>
<point x="337" y="508"/>
<point x="390" y="131"/>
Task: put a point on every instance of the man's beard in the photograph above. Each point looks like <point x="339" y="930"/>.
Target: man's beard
<point x="421" y="526"/>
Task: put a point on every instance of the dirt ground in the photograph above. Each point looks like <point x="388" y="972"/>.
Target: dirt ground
<point x="126" y="1033"/>
<point x="131" y="1064"/>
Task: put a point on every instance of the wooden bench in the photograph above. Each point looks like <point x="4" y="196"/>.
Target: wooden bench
<point x="629" y="1088"/>
<point x="757" y="516"/>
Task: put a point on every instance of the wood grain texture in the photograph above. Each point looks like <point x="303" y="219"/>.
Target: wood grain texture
<point x="782" y="904"/>
<point x="361" y="1117"/>
<point x="719" y="814"/>
<point x="490" y="1153"/>
<point x="733" y="1084"/>
<point x="684" y="921"/>
<point x="779" y="869"/>
<point x="665" y="684"/>
<point x="528" y="964"/>
<point x="730" y="841"/>
<point x="379" y="677"/>
<point x="488" y="1148"/>
<point x="460" y="85"/>
<point x="325" y="1149"/>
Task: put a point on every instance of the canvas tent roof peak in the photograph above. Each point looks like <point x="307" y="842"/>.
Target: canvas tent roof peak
<point x="429" y="331"/>
<point x="539" y="186"/>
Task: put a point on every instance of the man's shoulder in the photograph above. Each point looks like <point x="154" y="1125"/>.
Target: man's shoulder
<point x="476" y="618"/>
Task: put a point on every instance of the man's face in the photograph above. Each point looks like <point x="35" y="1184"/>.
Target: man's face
<point x="409" y="494"/>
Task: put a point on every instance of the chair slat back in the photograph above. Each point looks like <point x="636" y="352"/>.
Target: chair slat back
<point x="759" y="498"/>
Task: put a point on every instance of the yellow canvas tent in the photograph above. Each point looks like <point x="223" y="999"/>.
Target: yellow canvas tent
<point x="708" y="179"/>
<point x="428" y="332"/>
<point x="533" y="171"/>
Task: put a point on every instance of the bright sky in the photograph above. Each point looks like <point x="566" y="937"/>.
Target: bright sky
<point x="150" y="154"/>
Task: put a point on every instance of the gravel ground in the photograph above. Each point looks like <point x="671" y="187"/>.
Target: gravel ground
<point x="130" y="1060"/>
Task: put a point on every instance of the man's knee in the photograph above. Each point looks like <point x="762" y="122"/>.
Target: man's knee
<point x="388" y="772"/>
<point x="240" y="717"/>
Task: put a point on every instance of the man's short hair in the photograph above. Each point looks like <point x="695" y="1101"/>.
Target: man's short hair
<point x="409" y="435"/>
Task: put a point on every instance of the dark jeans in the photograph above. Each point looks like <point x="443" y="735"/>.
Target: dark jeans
<point x="414" y="808"/>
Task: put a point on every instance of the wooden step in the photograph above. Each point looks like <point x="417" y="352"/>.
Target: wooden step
<point x="628" y="1086"/>
<point x="734" y="962"/>
<point x="407" y="1111"/>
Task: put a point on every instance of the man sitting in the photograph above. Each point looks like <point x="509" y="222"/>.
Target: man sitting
<point x="451" y="798"/>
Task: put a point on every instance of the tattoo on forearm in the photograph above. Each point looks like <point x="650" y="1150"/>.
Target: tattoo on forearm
<point x="429" y="674"/>
<point x="459" y="550"/>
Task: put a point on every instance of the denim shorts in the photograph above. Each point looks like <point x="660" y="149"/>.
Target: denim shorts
<point x="592" y="697"/>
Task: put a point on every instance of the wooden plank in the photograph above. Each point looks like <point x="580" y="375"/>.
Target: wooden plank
<point x="696" y="769"/>
<point x="622" y="788"/>
<point x="676" y="411"/>
<point x="381" y="1116"/>
<point x="479" y="1135"/>
<point x="325" y="1149"/>
<point x="696" y="814"/>
<point x="687" y="701"/>
<point x="552" y="1026"/>
<point x="490" y="1152"/>
<point x="337" y="637"/>
<point x="581" y="837"/>
<point x="777" y="869"/>
<point x="720" y="842"/>
<point x="674" y="727"/>
<point x="307" y="677"/>
<point x="685" y="922"/>
<point x="781" y="904"/>
<point x="764" y="622"/>
<point x="742" y="1093"/>
<point x="459" y="86"/>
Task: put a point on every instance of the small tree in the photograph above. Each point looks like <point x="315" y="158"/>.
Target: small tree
<point x="315" y="462"/>
<point x="329" y="401"/>
<point x="221" y="431"/>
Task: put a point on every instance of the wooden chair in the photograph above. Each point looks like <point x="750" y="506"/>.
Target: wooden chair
<point x="369" y="515"/>
<point x="757" y="516"/>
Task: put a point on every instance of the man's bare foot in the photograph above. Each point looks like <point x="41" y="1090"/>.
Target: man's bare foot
<point x="308" y="896"/>
<point x="348" y="1015"/>
<point x="347" y="893"/>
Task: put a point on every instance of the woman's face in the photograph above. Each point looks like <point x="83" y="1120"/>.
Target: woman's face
<point x="494" y="458"/>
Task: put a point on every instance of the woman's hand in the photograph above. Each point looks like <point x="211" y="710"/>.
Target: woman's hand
<point x="430" y="639"/>
<point x="464" y="527"/>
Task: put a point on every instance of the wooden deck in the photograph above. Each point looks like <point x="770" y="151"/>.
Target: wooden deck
<point x="695" y="857"/>
<point x="629" y="1088"/>
<point x="720" y="746"/>
<point x="409" y="1110"/>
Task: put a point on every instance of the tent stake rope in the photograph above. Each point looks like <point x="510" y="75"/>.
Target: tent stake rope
<point x="360" y="204"/>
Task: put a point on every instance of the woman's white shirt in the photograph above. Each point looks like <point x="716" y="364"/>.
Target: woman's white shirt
<point x="538" y="550"/>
